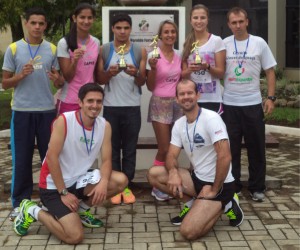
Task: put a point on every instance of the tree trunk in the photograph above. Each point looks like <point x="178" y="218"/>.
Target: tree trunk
<point x="17" y="31"/>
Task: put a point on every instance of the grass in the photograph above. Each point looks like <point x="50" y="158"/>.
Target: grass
<point x="280" y="115"/>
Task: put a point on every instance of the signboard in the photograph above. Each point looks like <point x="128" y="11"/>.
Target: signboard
<point x="145" y="23"/>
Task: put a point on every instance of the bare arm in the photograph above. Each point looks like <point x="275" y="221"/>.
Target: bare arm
<point x="271" y="81"/>
<point x="99" y="192"/>
<point x="218" y="70"/>
<point x="175" y="181"/>
<point x="68" y="66"/>
<point x="102" y="76"/>
<point x="141" y="76"/>
<point x="151" y="74"/>
<point x="11" y="80"/>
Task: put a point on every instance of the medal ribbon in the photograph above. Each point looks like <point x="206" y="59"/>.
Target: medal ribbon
<point x="85" y="139"/>
<point x="187" y="132"/>
<point x="29" y="48"/>
<point x="236" y="51"/>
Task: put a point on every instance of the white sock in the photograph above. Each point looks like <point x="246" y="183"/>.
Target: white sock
<point x="228" y="206"/>
<point x="34" y="211"/>
<point x="83" y="207"/>
<point x="189" y="203"/>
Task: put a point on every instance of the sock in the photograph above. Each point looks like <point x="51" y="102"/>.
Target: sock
<point x="158" y="163"/>
<point x="189" y="203"/>
<point x="228" y="206"/>
<point x="34" y="211"/>
<point x="83" y="207"/>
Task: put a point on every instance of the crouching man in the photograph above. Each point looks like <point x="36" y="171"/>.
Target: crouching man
<point x="203" y="136"/>
<point x="67" y="188"/>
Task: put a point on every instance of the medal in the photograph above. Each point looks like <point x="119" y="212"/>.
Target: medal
<point x="83" y="47"/>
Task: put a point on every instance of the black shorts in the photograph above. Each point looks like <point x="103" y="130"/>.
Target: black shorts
<point x="225" y="195"/>
<point x="51" y="199"/>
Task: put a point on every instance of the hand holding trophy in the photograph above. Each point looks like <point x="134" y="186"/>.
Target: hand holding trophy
<point x="198" y="59"/>
<point x="121" y="51"/>
<point x="155" y="53"/>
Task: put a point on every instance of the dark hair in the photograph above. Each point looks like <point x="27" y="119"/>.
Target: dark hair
<point x="236" y="10"/>
<point x="121" y="17"/>
<point x="71" y="38"/>
<point x="186" y="81"/>
<point x="167" y="22"/>
<point x="35" y="11"/>
<point x="190" y="39"/>
<point x="89" y="87"/>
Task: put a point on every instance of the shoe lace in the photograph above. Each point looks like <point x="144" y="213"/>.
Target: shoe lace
<point x="231" y="215"/>
<point x="88" y="214"/>
<point x="127" y="191"/>
<point x="184" y="211"/>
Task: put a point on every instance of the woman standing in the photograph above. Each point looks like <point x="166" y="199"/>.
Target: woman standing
<point x="163" y="75"/>
<point x="212" y="52"/>
<point x="77" y="55"/>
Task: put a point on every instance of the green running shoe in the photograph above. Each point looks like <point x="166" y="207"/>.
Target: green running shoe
<point x="178" y="219"/>
<point x="88" y="220"/>
<point x="24" y="219"/>
<point x="235" y="213"/>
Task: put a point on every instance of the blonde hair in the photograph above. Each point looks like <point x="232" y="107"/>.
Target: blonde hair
<point x="190" y="39"/>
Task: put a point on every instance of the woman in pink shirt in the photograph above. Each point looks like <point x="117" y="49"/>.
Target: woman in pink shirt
<point x="77" y="54"/>
<point x="163" y="75"/>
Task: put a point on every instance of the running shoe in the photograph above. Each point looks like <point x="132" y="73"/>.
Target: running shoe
<point x="258" y="196"/>
<point x="24" y="219"/>
<point x="88" y="220"/>
<point x="14" y="213"/>
<point x="235" y="213"/>
<point x="160" y="196"/>
<point x="116" y="200"/>
<point x="128" y="196"/>
<point x="178" y="219"/>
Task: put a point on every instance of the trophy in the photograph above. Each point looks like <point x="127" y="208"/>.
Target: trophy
<point x="198" y="59"/>
<point x="122" y="63"/>
<point x="155" y="53"/>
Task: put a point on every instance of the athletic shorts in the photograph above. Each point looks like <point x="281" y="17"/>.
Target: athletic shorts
<point x="225" y="195"/>
<point x="214" y="106"/>
<point x="164" y="110"/>
<point x="51" y="199"/>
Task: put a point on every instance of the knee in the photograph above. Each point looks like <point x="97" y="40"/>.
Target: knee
<point x="74" y="238"/>
<point x="122" y="182"/>
<point x="151" y="175"/>
<point x="190" y="233"/>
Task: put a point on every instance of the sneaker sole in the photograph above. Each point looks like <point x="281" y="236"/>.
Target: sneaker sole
<point x="256" y="199"/>
<point x="158" y="198"/>
<point x="91" y="226"/>
<point x="176" y="223"/>
<point x="242" y="216"/>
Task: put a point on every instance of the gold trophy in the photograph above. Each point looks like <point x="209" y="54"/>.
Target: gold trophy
<point x="121" y="51"/>
<point x="155" y="53"/>
<point x="198" y="59"/>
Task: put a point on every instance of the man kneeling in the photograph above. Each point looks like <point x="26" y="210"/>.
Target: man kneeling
<point x="203" y="136"/>
<point x="67" y="188"/>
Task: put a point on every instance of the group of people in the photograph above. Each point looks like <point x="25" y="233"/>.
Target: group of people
<point x="188" y="108"/>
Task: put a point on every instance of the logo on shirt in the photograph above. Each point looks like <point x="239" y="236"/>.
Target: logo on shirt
<point x="199" y="141"/>
<point x="239" y="71"/>
<point x="219" y="132"/>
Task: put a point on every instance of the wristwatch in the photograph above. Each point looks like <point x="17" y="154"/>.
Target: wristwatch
<point x="272" y="98"/>
<point x="64" y="192"/>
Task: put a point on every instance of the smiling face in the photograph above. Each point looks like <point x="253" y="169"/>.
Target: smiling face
<point x="199" y="20"/>
<point x="84" y="20"/>
<point x="36" y="26"/>
<point x="168" y="34"/>
<point x="91" y="104"/>
<point x="187" y="96"/>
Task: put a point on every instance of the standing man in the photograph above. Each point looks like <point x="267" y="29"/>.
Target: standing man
<point x="67" y="188"/>
<point x="123" y="97"/>
<point x="243" y="110"/>
<point x="203" y="135"/>
<point x="29" y="65"/>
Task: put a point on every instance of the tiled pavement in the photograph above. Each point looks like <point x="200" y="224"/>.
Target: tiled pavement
<point x="273" y="224"/>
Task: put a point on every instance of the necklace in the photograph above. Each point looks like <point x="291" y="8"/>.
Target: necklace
<point x="30" y="51"/>
<point x="85" y="139"/>
<point x="187" y="133"/>
<point x="245" y="52"/>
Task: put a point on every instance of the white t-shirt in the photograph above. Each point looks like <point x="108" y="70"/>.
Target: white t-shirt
<point x="208" y="85"/>
<point x="241" y="79"/>
<point x="209" y="129"/>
